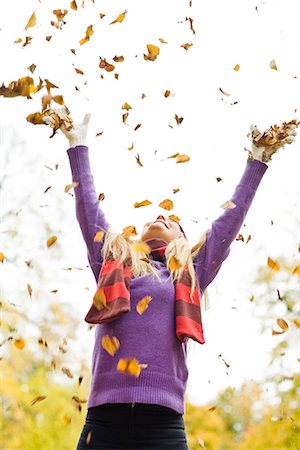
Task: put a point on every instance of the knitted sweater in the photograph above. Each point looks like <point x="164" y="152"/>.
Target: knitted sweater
<point x="150" y="337"/>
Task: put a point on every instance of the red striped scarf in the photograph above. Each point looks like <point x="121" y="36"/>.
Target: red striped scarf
<point x="114" y="282"/>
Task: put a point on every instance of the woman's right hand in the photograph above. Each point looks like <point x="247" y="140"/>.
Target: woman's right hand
<point x="76" y="132"/>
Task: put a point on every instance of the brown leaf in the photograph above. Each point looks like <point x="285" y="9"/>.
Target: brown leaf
<point x="176" y="190"/>
<point x="29" y="289"/>
<point x="167" y="204"/>
<point x="186" y="46"/>
<point x="118" y="58"/>
<point x="240" y="238"/>
<point x="37" y="399"/>
<point x="248" y="239"/>
<point x="124" y="117"/>
<point x="138" y="160"/>
<point x="142" y="305"/>
<point x="218" y="179"/>
<point x="22" y="87"/>
<point x="224" y="92"/>
<point x="73" y="5"/>
<point x="130" y="366"/>
<point x="212" y="408"/>
<point x="228" y="205"/>
<point x="67" y="372"/>
<point x="191" y="24"/>
<point x="167" y="93"/>
<point x="101" y="15"/>
<point x="101" y="196"/>
<point x="126" y="106"/>
<point x="137" y="126"/>
<point x="110" y="344"/>
<point x="51" y="240"/>
<point x="143" y="203"/>
<point x="178" y="119"/>
<point x="162" y="40"/>
<point x="71" y="186"/>
<point x="31" y="68"/>
<point x="297" y="322"/>
<point x="273" y="264"/>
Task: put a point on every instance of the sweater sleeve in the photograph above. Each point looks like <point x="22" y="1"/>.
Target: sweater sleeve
<point x="88" y="212"/>
<point x="226" y="227"/>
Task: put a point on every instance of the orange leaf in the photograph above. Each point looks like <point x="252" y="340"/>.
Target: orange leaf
<point x="73" y="5"/>
<point x="273" y="264"/>
<point x="142" y="305"/>
<point x="153" y="52"/>
<point x="297" y="322"/>
<point x="66" y="419"/>
<point x="162" y="40"/>
<point x="130" y="366"/>
<point x="110" y="344"/>
<point x="99" y="299"/>
<point x="186" y="46"/>
<point x="51" y="241"/>
<point x="174" y="264"/>
<point x="167" y="204"/>
<point x="296" y="270"/>
<point x="282" y="324"/>
<point x="141" y="247"/>
<point x="19" y="343"/>
<point x="129" y="231"/>
<point x="175" y="218"/>
<point x="126" y="106"/>
<point x="143" y="203"/>
<point x="2" y="257"/>
<point x="98" y="236"/>
<point x="120" y="18"/>
<point x="182" y="158"/>
<point x="29" y="289"/>
<point x="88" y="34"/>
<point x="37" y="399"/>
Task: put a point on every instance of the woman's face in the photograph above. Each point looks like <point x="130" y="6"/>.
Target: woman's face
<point x="161" y="228"/>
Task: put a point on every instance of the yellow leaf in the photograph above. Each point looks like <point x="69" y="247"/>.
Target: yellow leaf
<point x="98" y="236"/>
<point x="273" y="64"/>
<point x="110" y="344"/>
<point x="153" y="52"/>
<point x="297" y="322"/>
<point x="66" y="419"/>
<point x="19" y="343"/>
<point x="120" y="18"/>
<point x="143" y="203"/>
<point x="141" y="247"/>
<point x="273" y="264"/>
<point x="2" y="257"/>
<point x="88" y="438"/>
<point x="174" y="264"/>
<point x="88" y="34"/>
<point x="236" y="68"/>
<point x="277" y="332"/>
<point x="132" y="147"/>
<point x="126" y="106"/>
<point x="31" y="22"/>
<point x="70" y="186"/>
<point x="228" y="205"/>
<point x="175" y="218"/>
<point x="99" y="299"/>
<point x="124" y="117"/>
<point x="167" y="204"/>
<point x="282" y="324"/>
<point x="118" y="58"/>
<point x="130" y="366"/>
<point x="37" y="399"/>
<point x="51" y="241"/>
<point x="296" y="270"/>
<point x="162" y="40"/>
<point x="73" y="5"/>
<point x="143" y="304"/>
<point x="129" y="231"/>
<point x="182" y="158"/>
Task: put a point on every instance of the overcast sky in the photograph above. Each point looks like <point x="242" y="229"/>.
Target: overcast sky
<point x="213" y="133"/>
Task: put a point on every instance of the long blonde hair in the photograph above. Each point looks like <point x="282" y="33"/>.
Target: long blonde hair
<point x="118" y="246"/>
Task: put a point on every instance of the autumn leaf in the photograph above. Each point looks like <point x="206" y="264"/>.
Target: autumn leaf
<point x="153" y="52"/>
<point x="273" y="64"/>
<point x="98" y="236"/>
<point x="224" y="92"/>
<point x="2" y="257"/>
<point x="88" y="34"/>
<point x="212" y="408"/>
<point x="129" y="231"/>
<point x="297" y="322"/>
<point x="167" y="93"/>
<point x="186" y="46"/>
<point x="118" y="58"/>
<point x="218" y="179"/>
<point x="31" y="22"/>
<point x="176" y="190"/>
<point x="126" y="106"/>
<point x="99" y="299"/>
<point x="228" y="205"/>
<point x="19" y="343"/>
<point x="142" y="304"/>
<point x="79" y="71"/>
<point x="167" y="204"/>
<point x="248" y="239"/>
<point x="70" y="186"/>
<point x="22" y="87"/>
<point x="282" y="324"/>
<point x="138" y="160"/>
<point x="240" y="238"/>
<point x="178" y="119"/>
<point x="130" y="366"/>
<point x="66" y="419"/>
<point x="29" y="289"/>
<point x="73" y="5"/>
<point x="175" y="218"/>
<point x="236" y="68"/>
<point x="51" y="240"/>
<point x="131" y="147"/>
<point x="37" y="399"/>
<point x="137" y="126"/>
<point x="31" y="68"/>
<point x="101" y="15"/>
<point x="141" y="247"/>
<point x="277" y="332"/>
<point x="110" y="344"/>
<point x="67" y="372"/>
<point x="124" y="117"/>
<point x="120" y="18"/>
<point x="296" y="270"/>
<point x="162" y="41"/>
<point x="88" y="438"/>
<point x="143" y="203"/>
<point x="174" y="264"/>
<point x="273" y="264"/>
<point x="101" y="196"/>
<point x="182" y="158"/>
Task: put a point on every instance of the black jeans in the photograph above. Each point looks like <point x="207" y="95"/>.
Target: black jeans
<point x="132" y="426"/>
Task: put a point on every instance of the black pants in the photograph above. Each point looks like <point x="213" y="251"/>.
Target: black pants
<point x="132" y="426"/>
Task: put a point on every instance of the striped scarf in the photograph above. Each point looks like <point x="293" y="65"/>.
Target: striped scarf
<point x="112" y="297"/>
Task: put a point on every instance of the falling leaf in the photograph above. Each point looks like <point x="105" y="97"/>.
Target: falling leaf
<point x="248" y="239"/>
<point x="48" y="38"/>
<point x="88" y="34"/>
<point x="132" y="147"/>
<point x="66" y="419"/>
<point x="273" y="264"/>
<point x="191" y="24"/>
<point x="73" y="5"/>
<point x="142" y="305"/>
<point x="31" y="68"/>
<point x="101" y="15"/>
<point x="182" y="158"/>
<point x="88" y="438"/>
<point x="141" y="247"/>
<point x="277" y="332"/>
<point x="99" y="299"/>
<point x="98" y="236"/>
<point x="137" y="126"/>
<point x="130" y="366"/>
<point x="178" y="119"/>
<point x="143" y="96"/>
<point x="212" y="408"/>
<point x="251" y="298"/>
<point x="101" y="196"/>
<point x="282" y="324"/>
<point x="70" y="186"/>
<point x="118" y="58"/>
<point x="175" y="218"/>
<point x="31" y="22"/>
<point x="124" y="117"/>
<point x="224" y="92"/>
<point x="167" y="93"/>
<point x="167" y="204"/>
<point x="143" y="203"/>
<point x="240" y="238"/>
<point x="236" y="68"/>
<point x="19" y="343"/>
<point x="28" y="40"/>
<point x="273" y="64"/>
<point x="126" y="106"/>
<point x="218" y="179"/>
<point x="79" y="71"/>
<point x="99" y="133"/>
<point x="2" y="257"/>
<point x="29" y="289"/>
<point x="17" y="41"/>
<point x="138" y="160"/>
<point x="80" y="379"/>
<point x="51" y="240"/>
<point x="129" y="231"/>
<point x="297" y="322"/>
<point x="186" y="46"/>
<point x="176" y="190"/>
<point x="110" y="344"/>
<point x="67" y="372"/>
<point x="174" y="264"/>
<point x="162" y="41"/>
<point x="120" y="18"/>
<point x="22" y="87"/>
<point x="228" y="205"/>
<point x="153" y="52"/>
<point x="296" y="270"/>
<point x="37" y="399"/>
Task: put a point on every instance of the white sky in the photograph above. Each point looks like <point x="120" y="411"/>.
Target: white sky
<point x="213" y="133"/>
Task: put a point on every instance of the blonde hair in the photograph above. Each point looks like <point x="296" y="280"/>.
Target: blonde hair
<point x="118" y="246"/>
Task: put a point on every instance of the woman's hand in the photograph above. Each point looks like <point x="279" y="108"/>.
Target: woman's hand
<point x="75" y="132"/>
<point x="265" y="144"/>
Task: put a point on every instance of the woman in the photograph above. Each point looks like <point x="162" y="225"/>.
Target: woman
<point x="146" y="306"/>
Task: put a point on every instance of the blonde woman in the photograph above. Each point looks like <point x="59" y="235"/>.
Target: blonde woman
<point x="139" y="374"/>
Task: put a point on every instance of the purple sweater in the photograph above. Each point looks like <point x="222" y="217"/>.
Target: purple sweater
<point x="150" y="337"/>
